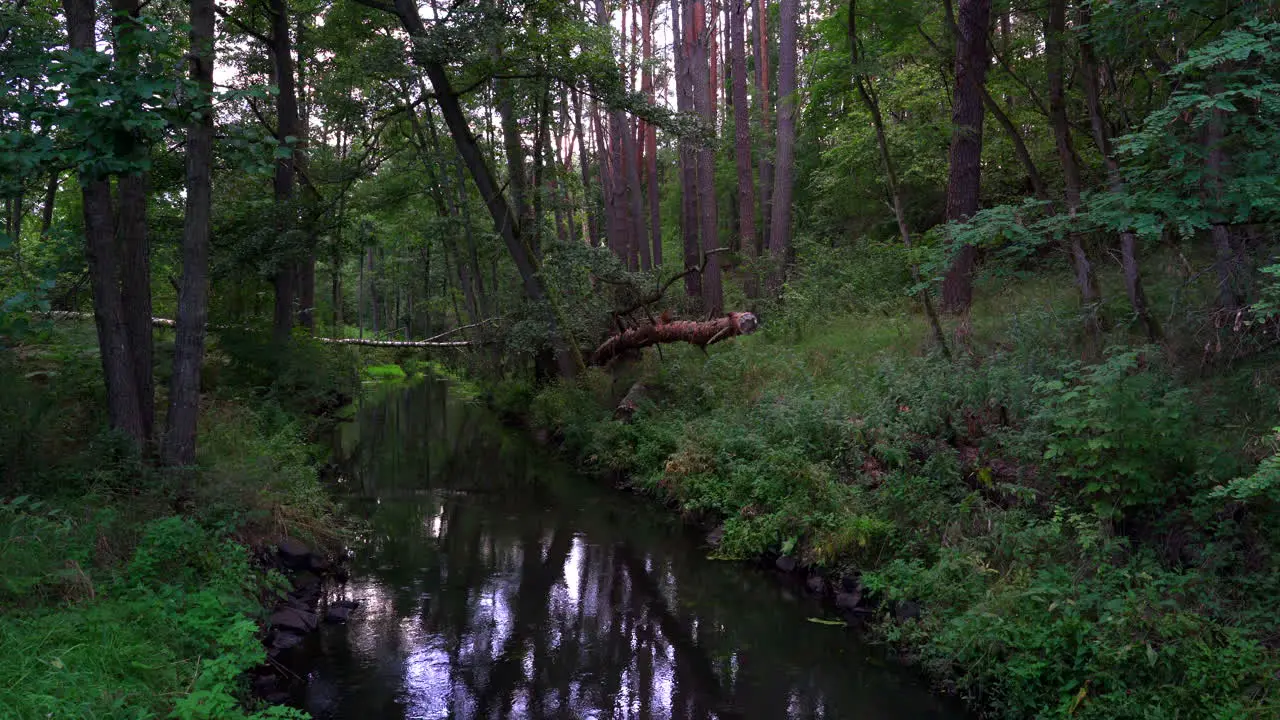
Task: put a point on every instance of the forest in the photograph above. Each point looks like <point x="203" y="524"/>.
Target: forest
<point x="974" y="304"/>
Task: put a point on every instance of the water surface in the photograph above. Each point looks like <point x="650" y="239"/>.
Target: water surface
<point x="496" y="583"/>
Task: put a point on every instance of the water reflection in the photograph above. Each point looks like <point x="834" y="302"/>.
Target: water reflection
<point x="493" y="584"/>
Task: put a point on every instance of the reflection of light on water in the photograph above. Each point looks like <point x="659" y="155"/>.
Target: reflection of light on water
<point x="435" y="523"/>
<point x="573" y="571"/>
<point x="428" y="683"/>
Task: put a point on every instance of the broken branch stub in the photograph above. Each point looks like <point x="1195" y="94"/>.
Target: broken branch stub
<point x="700" y="333"/>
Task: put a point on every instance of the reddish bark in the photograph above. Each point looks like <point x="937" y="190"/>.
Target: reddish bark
<point x="763" y="103"/>
<point x="712" y="286"/>
<point x="742" y="138"/>
<point x="650" y="138"/>
<point x="707" y="332"/>
<point x="682" y="28"/>
<point x="780" y="219"/>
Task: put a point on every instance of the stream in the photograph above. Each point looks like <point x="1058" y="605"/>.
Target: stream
<point x="494" y="582"/>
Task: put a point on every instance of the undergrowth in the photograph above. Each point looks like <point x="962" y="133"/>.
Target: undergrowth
<point x="131" y="592"/>
<point x="1086" y="540"/>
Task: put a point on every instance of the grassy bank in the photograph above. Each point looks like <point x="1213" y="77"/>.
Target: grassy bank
<point x="132" y="592"/>
<point x="1086" y="540"/>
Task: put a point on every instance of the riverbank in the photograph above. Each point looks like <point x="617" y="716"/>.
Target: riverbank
<point x="1091" y="541"/>
<point x="130" y="591"/>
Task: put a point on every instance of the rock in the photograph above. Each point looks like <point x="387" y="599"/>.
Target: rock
<point x="338" y="614"/>
<point x="294" y="554"/>
<point x="288" y="618"/>
<point x="278" y="697"/>
<point x="851" y="583"/>
<point x="715" y="537"/>
<point x="319" y="564"/>
<point x="785" y="563"/>
<point x="848" y="601"/>
<point x="283" y="640"/>
<point x="906" y="610"/>
<point x="816" y="585"/>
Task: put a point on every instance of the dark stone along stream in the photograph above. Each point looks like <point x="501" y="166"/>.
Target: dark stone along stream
<point x="493" y="582"/>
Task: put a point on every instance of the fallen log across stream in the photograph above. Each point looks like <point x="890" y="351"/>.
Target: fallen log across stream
<point x="428" y="343"/>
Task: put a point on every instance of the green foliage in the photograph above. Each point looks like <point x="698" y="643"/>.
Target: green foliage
<point x="1119" y="433"/>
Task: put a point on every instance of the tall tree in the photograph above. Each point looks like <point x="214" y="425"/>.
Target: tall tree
<point x="650" y="138"/>
<point x="1090" y="296"/>
<point x="784" y="181"/>
<point x="124" y="405"/>
<point x="131" y="224"/>
<point x="179" y="446"/>
<point x="288" y="133"/>
<point x="682" y="30"/>
<point x="965" y="176"/>
<point x="701" y="35"/>
<point x="742" y="138"/>
<point x="764" y="104"/>
<point x="1089" y="73"/>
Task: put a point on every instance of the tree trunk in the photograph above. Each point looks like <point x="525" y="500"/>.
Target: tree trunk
<point x="288" y="126"/>
<point x="780" y="221"/>
<point x="965" y="175"/>
<point x="588" y="198"/>
<point x="50" y="197"/>
<point x="179" y="448"/>
<point x="742" y="142"/>
<point x="682" y="31"/>
<point x="699" y="34"/>
<point x="1128" y="239"/>
<point x="1230" y="293"/>
<point x="123" y="407"/>
<point x="651" y="139"/>
<point x="1090" y="296"/>
<point x="764" y="103"/>
<point x="867" y="92"/>
<point x="131" y="231"/>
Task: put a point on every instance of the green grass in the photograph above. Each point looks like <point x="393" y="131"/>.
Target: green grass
<point x="130" y="592"/>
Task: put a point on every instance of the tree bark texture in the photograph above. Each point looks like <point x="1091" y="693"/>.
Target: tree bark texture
<point x="682" y="24"/>
<point x="742" y="141"/>
<point x="288" y="124"/>
<point x="123" y="407"/>
<point x="784" y="180"/>
<point x="179" y="447"/>
<point x="764" y="104"/>
<point x="702" y="333"/>
<point x="965" y="175"/>
<point x="712" y="286"/>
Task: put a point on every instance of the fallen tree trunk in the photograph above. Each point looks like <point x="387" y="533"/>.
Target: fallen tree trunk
<point x="429" y="343"/>
<point x="700" y="333"/>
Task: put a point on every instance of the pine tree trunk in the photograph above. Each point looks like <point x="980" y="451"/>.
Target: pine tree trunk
<point x="764" y="103"/>
<point x="742" y="142"/>
<point x="682" y="25"/>
<point x="780" y="221"/>
<point x="965" y="175"/>
<point x="179" y="448"/>
<point x="712" y="287"/>
<point x="584" y="163"/>
<point x="651" y="138"/>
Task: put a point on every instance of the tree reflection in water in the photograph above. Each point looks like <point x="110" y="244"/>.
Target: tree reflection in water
<point x="495" y="584"/>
